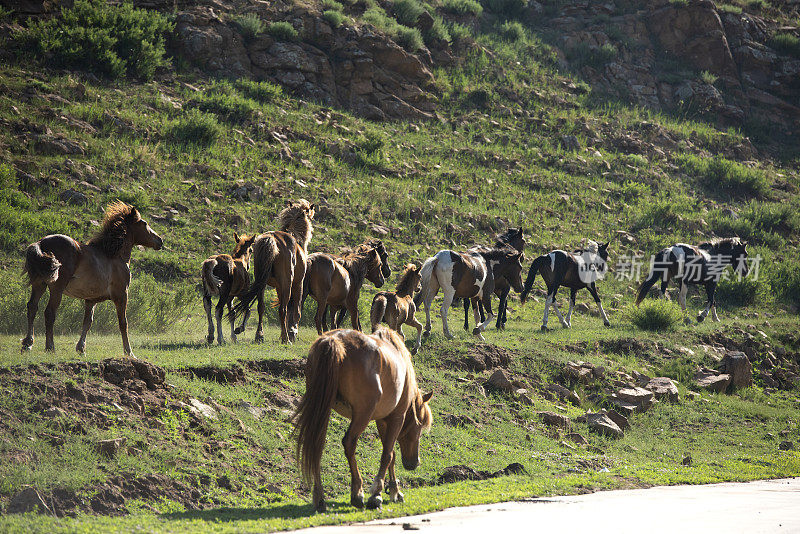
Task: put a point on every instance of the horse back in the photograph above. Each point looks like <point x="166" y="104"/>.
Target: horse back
<point x="469" y="272"/>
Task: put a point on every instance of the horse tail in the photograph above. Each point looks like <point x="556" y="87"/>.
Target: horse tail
<point x="425" y="273"/>
<point x="314" y="411"/>
<point x="41" y="266"/>
<point x="378" y="311"/>
<point x="265" y="251"/>
<point x="645" y="287"/>
<point x="535" y="267"/>
<point x="211" y="283"/>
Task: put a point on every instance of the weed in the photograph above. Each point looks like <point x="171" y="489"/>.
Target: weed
<point x="463" y="7"/>
<point x="283" y="31"/>
<point x="786" y="43"/>
<point x="196" y="128"/>
<point x="655" y="315"/>
<point x="334" y="18"/>
<point x="250" y="25"/>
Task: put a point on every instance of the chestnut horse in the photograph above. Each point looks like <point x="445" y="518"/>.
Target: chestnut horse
<point x="279" y="260"/>
<point x="226" y="276"/>
<point x="378" y="245"/>
<point x="94" y="271"/>
<point x="336" y="282"/>
<point x="398" y="308"/>
<point x="364" y="378"/>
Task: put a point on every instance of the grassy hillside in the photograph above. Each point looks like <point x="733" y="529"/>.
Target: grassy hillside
<point x="517" y="142"/>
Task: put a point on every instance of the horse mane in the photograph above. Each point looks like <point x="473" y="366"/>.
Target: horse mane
<point x="498" y="253"/>
<point x="114" y="230"/>
<point x="353" y="260"/>
<point x="294" y="220"/>
<point x="377" y="244"/>
<point x="427" y="417"/>
<point x="720" y="242"/>
<point x="404" y="283"/>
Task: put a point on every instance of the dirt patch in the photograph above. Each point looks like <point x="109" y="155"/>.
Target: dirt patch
<point x="482" y="356"/>
<point x="457" y="473"/>
<point x="627" y="345"/>
<point x="287" y="368"/>
<point x="222" y="375"/>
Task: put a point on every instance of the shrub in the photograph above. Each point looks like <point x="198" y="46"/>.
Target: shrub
<point x="369" y="149"/>
<point x="728" y="8"/>
<point x="332" y="5"/>
<point x="230" y="107"/>
<point x="5" y="14"/>
<point x="583" y="54"/>
<point x="407" y="11"/>
<point x="758" y="5"/>
<point x="679" y="3"/>
<point x="463" y="7"/>
<point x="112" y="40"/>
<point x="438" y="31"/>
<point x="250" y="25"/>
<point x="458" y="32"/>
<point x="707" y="77"/>
<point x="655" y="315"/>
<point x="786" y="43"/>
<point x="512" y="31"/>
<point x="409" y="38"/>
<point x="196" y="128"/>
<point x="726" y="175"/>
<point x="283" y="31"/>
<point x="736" y="292"/>
<point x="334" y="18"/>
<point x="509" y="9"/>
<point x="784" y="279"/>
<point x="264" y="92"/>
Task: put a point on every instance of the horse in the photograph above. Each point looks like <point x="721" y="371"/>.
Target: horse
<point x="576" y="270"/>
<point x="93" y="272"/>
<point x="467" y="275"/>
<point x="512" y="238"/>
<point x="226" y="276"/>
<point x="364" y="378"/>
<point x="397" y="308"/>
<point x="336" y="282"/>
<point x="279" y="260"/>
<point x="378" y="245"/>
<point x="701" y="265"/>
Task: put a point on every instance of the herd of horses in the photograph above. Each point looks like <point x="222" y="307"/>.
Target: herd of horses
<point x="362" y="377"/>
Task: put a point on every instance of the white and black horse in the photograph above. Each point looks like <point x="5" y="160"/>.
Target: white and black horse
<point x="700" y="265"/>
<point x="467" y="275"/>
<point x="575" y="270"/>
<point x="513" y="240"/>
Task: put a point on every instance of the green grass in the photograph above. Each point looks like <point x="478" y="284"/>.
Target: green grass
<point x="334" y="18"/>
<point x="786" y="43"/>
<point x="250" y="25"/>
<point x="463" y="7"/>
<point x="655" y="315"/>
<point x="283" y="31"/>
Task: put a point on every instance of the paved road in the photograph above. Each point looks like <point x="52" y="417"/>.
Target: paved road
<point x="763" y="506"/>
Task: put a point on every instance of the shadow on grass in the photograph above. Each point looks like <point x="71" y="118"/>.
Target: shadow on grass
<point x="286" y="511"/>
<point x="177" y="345"/>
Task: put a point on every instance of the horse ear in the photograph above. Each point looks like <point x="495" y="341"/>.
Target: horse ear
<point x="235" y="237"/>
<point x="135" y="214"/>
<point x="288" y="203"/>
<point x="606" y="245"/>
<point x="312" y="206"/>
<point x="427" y="396"/>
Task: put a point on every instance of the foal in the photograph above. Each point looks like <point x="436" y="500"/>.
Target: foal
<point x="575" y="270"/>
<point x="701" y="265"/>
<point x="398" y="308"/>
<point x="226" y="276"/>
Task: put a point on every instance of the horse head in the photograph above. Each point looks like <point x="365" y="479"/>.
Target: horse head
<point x="738" y="255"/>
<point x="512" y="237"/>
<point x="140" y="231"/>
<point x="512" y="270"/>
<point x="243" y="246"/>
<point x="418" y="418"/>
<point x="375" y="268"/>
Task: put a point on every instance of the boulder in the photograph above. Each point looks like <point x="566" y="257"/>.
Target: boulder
<point x="712" y="381"/>
<point x="28" y="500"/>
<point x="619" y="419"/>
<point x="564" y="394"/>
<point x="110" y="447"/>
<point x="663" y="388"/>
<point x="554" y="419"/>
<point x="786" y="446"/>
<point x="202" y="410"/>
<point x="577" y="438"/>
<point x="737" y="365"/>
<point x="603" y="424"/>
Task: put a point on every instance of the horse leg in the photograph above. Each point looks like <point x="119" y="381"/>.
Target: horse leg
<point x="572" y="293"/>
<point x="50" y="319"/>
<point x="121" y="303"/>
<point x="547" y="302"/>
<point x="664" y="285"/>
<point x="501" y="312"/>
<point x="261" y="309"/>
<point x="88" y="317"/>
<point x="683" y="288"/>
<point x="558" y="312"/>
<point x="352" y="308"/>
<point x="241" y="327"/>
<point x="295" y="308"/>
<point x="448" y="300"/>
<point x="37" y="290"/>
<point x="476" y="314"/>
<point x="593" y="290"/>
<point x="283" y="312"/>
<point x="223" y="298"/>
<point x="429" y="294"/>
<point x="711" y="288"/>
<point x="358" y="424"/>
<point x="714" y="316"/>
<point x="466" y="314"/>
<point x="487" y="305"/>
<point x="319" y="317"/>
<point x="416" y="324"/>
<point x="391" y="429"/>
<point x="207" y="305"/>
<point x="233" y="329"/>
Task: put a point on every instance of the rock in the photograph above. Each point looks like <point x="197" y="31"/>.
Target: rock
<point x="687" y="460"/>
<point x="49" y="144"/>
<point x="712" y="381"/>
<point x="75" y="198"/>
<point x="54" y="412"/>
<point x="380" y="230"/>
<point x="554" y="419"/>
<point x="564" y="393"/>
<point x="151" y="374"/>
<point x="256" y="411"/>
<point x="110" y="447"/>
<point x="577" y="438"/>
<point x="786" y="446"/>
<point x="663" y="388"/>
<point x="619" y="419"/>
<point x="579" y="372"/>
<point x="501" y="381"/>
<point x="603" y="424"/>
<point x="203" y="410"/>
<point x="459" y="420"/>
<point x="570" y="142"/>
<point x="737" y="365"/>
<point x="28" y="500"/>
<point x="636" y="395"/>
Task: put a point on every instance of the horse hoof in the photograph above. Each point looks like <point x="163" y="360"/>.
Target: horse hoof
<point x="357" y="501"/>
<point x="700" y="318"/>
<point x="374" y="502"/>
<point x="259" y="338"/>
<point x="399" y="498"/>
<point x="321" y="507"/>
<point x="414" y="351"/>
<point x="238" y="331"/>
<point x="606" y="323"/>
<point x="132" y="356"/>
<point x="80" y="349"/>
<point x="210" y="340"/>
<point x="545" y="329"/>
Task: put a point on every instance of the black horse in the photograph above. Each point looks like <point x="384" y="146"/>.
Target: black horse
<point x="700" y="265"/>
<point x="575" y="270"/>
<point x="511" y="239"/>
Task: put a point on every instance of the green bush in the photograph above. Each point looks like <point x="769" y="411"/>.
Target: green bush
<point x="463" y="7"/>
<point x="334" y="18"/>
<point x="283" y="31"/>
<point x="784" y="279"/>
<point x="729" y="8"/>
<point x="758" y="5"/>
<point x="230" y="107"/>
<point x="111" y="40"/>
<point x="437" y="32"/>
<point x="332" y="5"/>
<point x="509" y="9"/>
<point x="786" y="43"/>
<point x="655" y="315"/>
<point x="409" y="38"/>
<point x="512" y="31"/>
<point x="707" y="77"/>
<point x="250" y="25"/>
<point x="583" y="54"/>
<point x="458" y="32"/>
<point x="264" y="92"/>
<point x="736" y="292"/>
<point x="196" y="128"/>
<point x="407" y="11"/>
<point x="718" y="173"/>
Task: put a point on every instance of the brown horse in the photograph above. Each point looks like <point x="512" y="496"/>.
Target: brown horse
<point x="364" y="378"/>
<point x="398" y="308"/>
<point x="226" y="276"/>
<point x="279" y="260"/>
<point x="93" y="271"/>
<point x="336" y="282"/>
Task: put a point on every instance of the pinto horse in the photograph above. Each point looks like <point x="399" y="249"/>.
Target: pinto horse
<point x="279" y="260"/>
<point x="701" y="265"/>
<point x="513" y="239"/>
<point x="398" y="308"/>
<point x="467" y="275"/>
<point x="226" y="276"/>
<point x="336" y="282"/>
<point x="364" y="378"/>
<point x="575" y="270"/>
<point x="95" y="271"/>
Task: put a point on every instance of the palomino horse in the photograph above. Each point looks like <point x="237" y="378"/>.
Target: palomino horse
<point x="467" y="275"/>
<point x="93" y="271"/>
<point x="513" y="239"/>
<point x="336" y="282"/>
<point x="701" y="265"/>
<point x="575" y="270"/>
<point x="279" y="260"/>
<point x="398" y="308"/>
<point x="364" y="378"/>
<point x="226" y="276"/>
